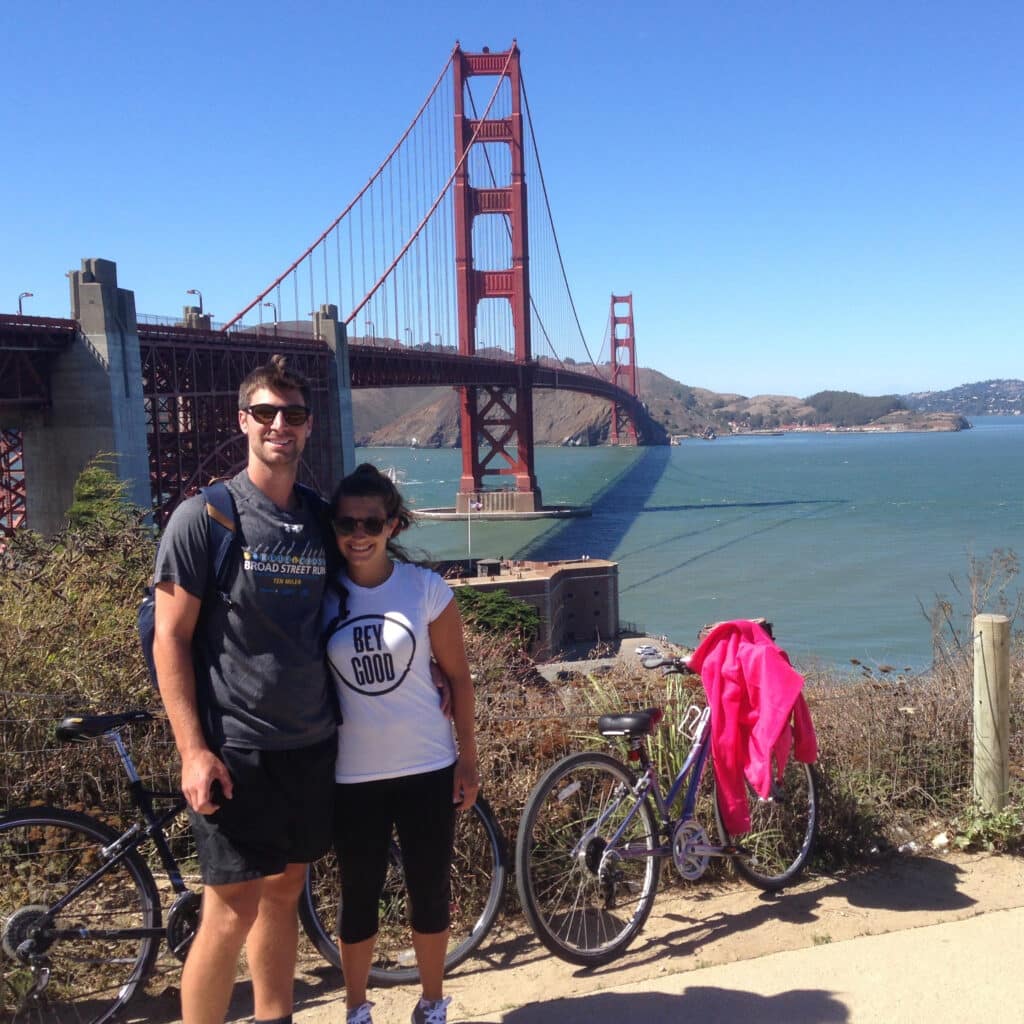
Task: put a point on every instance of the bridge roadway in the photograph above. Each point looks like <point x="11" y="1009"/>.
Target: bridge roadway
<point x="183" y="408"/>
<point x="28" y="343"/>
<point x="27" y="347"/>
<point x="376" y="367"/>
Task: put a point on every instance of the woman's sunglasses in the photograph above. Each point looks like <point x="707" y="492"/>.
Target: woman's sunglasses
<point x="294" y="415"/>
<point x="345" y="526"/>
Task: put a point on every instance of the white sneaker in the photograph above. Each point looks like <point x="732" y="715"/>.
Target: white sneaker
<point x="431" y="1013"/>
<point x="360" y="1015"/>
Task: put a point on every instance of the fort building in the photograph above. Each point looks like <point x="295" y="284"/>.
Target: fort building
<point x="577" y="599"/>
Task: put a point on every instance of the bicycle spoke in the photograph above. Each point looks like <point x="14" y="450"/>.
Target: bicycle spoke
<point x="44" y="855"/>
<point x="782" y="830"/>
<point x="585" y="901"/>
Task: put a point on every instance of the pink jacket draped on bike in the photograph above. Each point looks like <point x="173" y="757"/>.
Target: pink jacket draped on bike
<point x="758" y="714"/>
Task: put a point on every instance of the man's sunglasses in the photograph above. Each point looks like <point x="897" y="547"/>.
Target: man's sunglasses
<point x="294" y="415"/>
<point x="345" y="526"/>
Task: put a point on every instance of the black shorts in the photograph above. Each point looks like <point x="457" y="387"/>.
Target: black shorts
<point x="280" y="813"/>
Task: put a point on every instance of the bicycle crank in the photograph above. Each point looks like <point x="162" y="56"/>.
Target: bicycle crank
<point x="688" y="840"/>
<point x="182" y="923"/>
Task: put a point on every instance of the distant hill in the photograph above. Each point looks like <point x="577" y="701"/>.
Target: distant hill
<point x="429" y="417"/>
<point x="984" y="398"/>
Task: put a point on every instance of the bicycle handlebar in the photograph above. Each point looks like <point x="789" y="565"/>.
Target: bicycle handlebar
<point x="680" y="665"/>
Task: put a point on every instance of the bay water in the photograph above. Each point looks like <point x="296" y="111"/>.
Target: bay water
<point x="842" y="540"/>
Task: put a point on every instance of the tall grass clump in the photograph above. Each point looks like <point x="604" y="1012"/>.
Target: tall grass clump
<point x="897" y="747"/>
<point x="69" y="642"/>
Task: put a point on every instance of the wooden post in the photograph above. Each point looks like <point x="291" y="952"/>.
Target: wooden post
<point x="991" y="711"/>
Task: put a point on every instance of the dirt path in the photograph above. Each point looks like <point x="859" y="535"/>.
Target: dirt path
<point x="689" y="929"/>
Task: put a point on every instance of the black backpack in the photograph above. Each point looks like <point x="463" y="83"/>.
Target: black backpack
<point x="221" y="529"/>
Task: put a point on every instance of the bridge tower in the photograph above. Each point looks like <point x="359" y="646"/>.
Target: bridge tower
<point x="623" y="357"/>
<point x="496" y="423"/>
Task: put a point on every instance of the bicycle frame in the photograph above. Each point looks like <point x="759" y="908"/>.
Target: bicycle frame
<point x="125" y="844"/>
<point x="690" y="775"/>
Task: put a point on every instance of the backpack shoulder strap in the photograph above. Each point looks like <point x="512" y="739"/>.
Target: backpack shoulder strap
<point x="222" y="528"/>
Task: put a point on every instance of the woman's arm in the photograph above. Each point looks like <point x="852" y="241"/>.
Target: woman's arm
<point x="449" y="650"/>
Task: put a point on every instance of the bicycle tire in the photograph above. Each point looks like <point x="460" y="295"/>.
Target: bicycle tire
<point x="479" y="875"/>
<point x="44" y="853"/>
<point x="782" y="830"/>
<point x="579" y="914"/>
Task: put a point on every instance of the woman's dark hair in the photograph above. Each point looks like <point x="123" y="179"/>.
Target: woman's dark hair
<point x="367" y="481"/>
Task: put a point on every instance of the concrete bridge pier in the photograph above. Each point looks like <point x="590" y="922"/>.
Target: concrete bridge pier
<point x="97" y="401"/>
<point x="340" y="427"/>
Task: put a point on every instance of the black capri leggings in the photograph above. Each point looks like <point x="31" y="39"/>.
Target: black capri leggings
<point x="420" y="808"/>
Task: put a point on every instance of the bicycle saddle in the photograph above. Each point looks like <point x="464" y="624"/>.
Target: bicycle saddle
<point x="79" y="728"/>
<point x="636" y="723"/>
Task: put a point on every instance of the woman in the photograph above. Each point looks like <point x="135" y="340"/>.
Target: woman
<point x="398" y="765"/>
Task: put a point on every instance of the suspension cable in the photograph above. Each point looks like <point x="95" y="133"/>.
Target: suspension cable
<point x="437" y="202"/>
<point x="554" y="234"/>
<point x="376" y="174"/>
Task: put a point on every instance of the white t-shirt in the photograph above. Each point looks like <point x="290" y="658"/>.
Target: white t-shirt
<point x="379" y="657"/>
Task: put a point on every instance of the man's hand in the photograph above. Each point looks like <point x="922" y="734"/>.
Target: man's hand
<point x="466" y="784"/>
<point x="200" y="772"/>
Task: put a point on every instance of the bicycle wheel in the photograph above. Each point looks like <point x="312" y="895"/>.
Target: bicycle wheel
<point x="584" y="899"/>
<point x="478" y="874"/>
<point x="44" y="854"/>
<point x="782" y="830"/>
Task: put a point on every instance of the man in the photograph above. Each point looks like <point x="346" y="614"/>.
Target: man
<point x="243" y="680"/>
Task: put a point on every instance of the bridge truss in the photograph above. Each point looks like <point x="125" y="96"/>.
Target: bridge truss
<point x="190" y="383"/>
<point x="28" y="346"/>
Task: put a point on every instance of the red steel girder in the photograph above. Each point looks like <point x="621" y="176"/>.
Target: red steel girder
<point x="28" y="345"/>
<point x="511" y="284"/>
<point x="12" y="481"/>
<point x="190" y="387"/>
<point x="623" y="360"/>
<point x="504" y="419"/>
<point x="24" y="378"/>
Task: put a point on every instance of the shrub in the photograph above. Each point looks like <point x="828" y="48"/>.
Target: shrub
<point x="498" y="613"/>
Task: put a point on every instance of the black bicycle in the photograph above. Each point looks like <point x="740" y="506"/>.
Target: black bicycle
<point x="81" y="913"/>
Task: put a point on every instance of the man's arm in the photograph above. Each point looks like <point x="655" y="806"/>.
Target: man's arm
<point x="176" y="615"/>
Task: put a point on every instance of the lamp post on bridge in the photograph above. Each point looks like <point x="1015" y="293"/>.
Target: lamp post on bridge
<point x="23" y="295"/>
<point x="199" y="295"/>
<point x="273" y="306"/>
<point x="373" y="333"/>
<point x="408" y="336"/>
<point x="437" y="334"/>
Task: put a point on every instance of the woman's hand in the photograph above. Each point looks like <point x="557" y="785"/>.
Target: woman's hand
<point x="466" y="784"/>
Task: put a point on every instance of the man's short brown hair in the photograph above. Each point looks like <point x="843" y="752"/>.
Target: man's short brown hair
<point x="273" y="374"/>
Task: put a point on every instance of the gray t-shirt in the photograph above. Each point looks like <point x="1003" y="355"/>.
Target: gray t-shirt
<point x="261" y="678"/>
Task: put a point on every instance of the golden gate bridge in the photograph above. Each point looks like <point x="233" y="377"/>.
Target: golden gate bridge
<point x="446" y="269"/>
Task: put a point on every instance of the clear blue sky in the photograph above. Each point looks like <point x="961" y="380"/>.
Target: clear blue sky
<point x="800" y="195"/>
